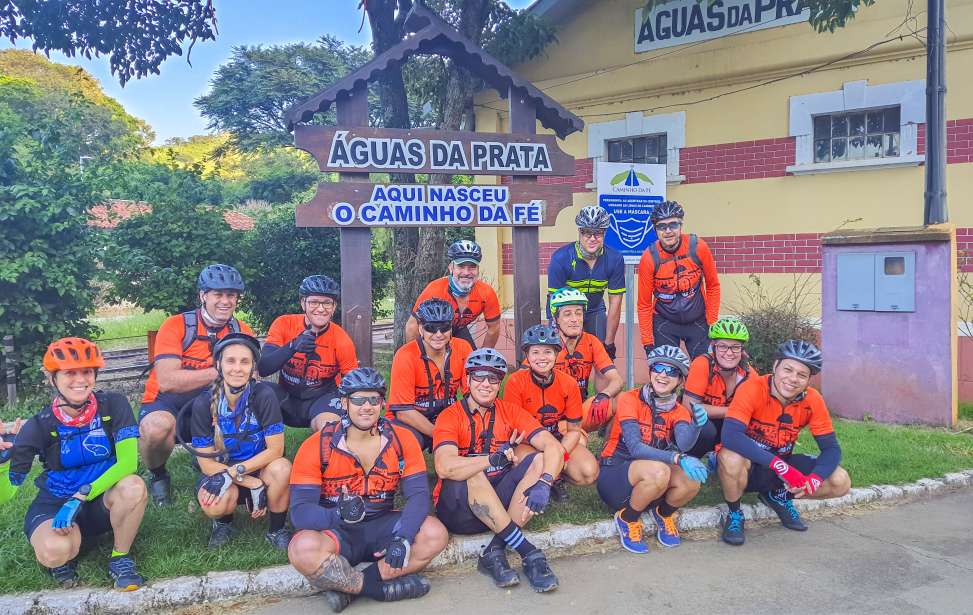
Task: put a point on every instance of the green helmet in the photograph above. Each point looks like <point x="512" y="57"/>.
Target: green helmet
<point x="567" y="296"/>
<point x="729" y="329"/>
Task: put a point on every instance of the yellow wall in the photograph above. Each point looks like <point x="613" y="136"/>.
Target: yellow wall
<point x="669" y="80"/>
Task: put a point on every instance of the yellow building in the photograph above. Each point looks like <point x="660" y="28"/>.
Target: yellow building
<point x="772" y="134"/>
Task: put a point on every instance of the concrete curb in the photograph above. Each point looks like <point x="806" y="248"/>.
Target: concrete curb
<point x="284" y="581"/>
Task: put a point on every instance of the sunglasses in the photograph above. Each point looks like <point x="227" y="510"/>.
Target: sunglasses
<point x="437" y="327"/>
<point x="668" y="370"/>
<point x="728" y="349"/>
<point x="668" y="226"/>
<point x="481" y="376"/>
<point x="361" y="400"/>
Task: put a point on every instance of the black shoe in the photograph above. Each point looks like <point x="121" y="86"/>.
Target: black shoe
<point x="338" y="601"/>
<point x="279" y="539"/>
<point x="538" y="573"/>
<point x="405" y="588"/>
<point x="559" y="491"/>
<point x="493" y="563"/>
<point x="733" y="530"/>
<point x="66" y="575"/>
<point x="160" y="488"/>
<point x="220" y="534"/>
<point x="786" y="512"/>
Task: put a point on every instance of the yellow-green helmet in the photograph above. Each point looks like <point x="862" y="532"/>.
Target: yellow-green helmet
<point x="729" y="329"/>
<point x="567" y="296"/>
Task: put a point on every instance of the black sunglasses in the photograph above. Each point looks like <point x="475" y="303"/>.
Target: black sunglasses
<point x="440" y="327"/>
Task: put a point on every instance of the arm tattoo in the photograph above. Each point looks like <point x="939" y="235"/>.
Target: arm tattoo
<point x="335" y="573"/>
<point x="482" y="512"/>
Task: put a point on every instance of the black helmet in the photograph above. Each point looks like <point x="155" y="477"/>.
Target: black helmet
<point x="237" y="338"/>
<point x="486" y="359"/>
<point x="362" y="379"/>
<point x="434" y="310"/>
<point x="220" y="277"/>
<point x="464" y="251"/>
<point x="802" y="352"/>
<point x="319" y="285"/>
<point x="667" y="209"/>
<point x="541" y="335"/>
<point x="593" y="217"/>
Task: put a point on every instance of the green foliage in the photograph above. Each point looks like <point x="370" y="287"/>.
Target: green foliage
<point x="250" y="93"/>
<point x="137" y="36"/>
<point x="152" y="260"/>
<point x="772" y="317"/>
<point x="279" y="175"/>
<point x="279" y="256"/>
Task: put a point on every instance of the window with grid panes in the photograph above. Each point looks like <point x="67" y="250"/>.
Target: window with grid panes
<point x="859" y="135"/>
<point x="649" y="149"/>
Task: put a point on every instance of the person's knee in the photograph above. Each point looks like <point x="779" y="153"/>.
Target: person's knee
<point x="654" y="476"/>
<point x="131" y="491"/>
<point x="306" y="550"/>
<point x="55" y="551"/>
<point x="585" y="471"/>
<point x="279" y="471"/>
<point x="318" y="422"/>
<point x="157" y="427"/>
<point x="731" y="463"/>
<point x="840" y="482"/>
<point x="432" y="535"/>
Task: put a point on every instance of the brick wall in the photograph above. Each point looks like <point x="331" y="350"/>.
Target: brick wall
<point x="741" y="160"/>
<point x="964" y="247"/>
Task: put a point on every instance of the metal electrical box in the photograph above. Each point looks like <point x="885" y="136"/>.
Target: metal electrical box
<point x="877" y="281"/>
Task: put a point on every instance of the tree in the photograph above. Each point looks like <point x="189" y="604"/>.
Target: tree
<point x="826" y="15"/>
<point x="250" y="93"/>
<point x="137" y="36"/>
<point x="47" y="255"/>
<point x="274" y="273"/>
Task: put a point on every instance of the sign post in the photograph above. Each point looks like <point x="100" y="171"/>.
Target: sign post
<point x="629" y="193"/>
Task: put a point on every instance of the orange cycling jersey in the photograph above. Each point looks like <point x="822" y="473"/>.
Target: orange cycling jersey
<point x="481" y="300"/>
<point x="657" y="427"/>
<point x="705" y="382"/>
<point x="198" y="355"/>
<point x="305" y="374"/>
<point x="550" y="404"/>
<point x="324" y="460"/>
<point x="682" y="287"/>
<point x="589" y="352"/>
<point x="417" y="384"/>
<point x="772" y="426"/>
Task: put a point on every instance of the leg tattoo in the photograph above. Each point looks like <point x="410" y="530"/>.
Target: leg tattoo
<point x="482" y="512"/>
<point x="335" y="573"/>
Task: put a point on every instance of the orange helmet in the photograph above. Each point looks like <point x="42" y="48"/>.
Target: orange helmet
<point x="72" y="353"/>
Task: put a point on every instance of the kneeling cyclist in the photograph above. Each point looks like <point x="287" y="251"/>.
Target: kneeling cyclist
<point x="714" y="377"/>
<point x="88" y="443"/>
<point x="428" y="371"/>
<point x="343" y="489"/>
<point x="645" y="464"/>
<point x="238" y="440"/>
<point x="484" y="485"/>
<point x="312" y="353"/>
<point x="759" y="433"/>
<point x="552" y="398"/>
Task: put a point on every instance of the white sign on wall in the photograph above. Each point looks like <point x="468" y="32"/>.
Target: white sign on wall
<point x="678" y="22"/>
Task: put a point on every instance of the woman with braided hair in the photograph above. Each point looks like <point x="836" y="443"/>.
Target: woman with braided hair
<point x="238" y="440"/>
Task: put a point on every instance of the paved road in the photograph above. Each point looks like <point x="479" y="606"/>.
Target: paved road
<point x="915" y="558"/>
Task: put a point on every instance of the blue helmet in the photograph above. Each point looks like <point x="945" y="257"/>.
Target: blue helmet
<point x="220" y="277"/>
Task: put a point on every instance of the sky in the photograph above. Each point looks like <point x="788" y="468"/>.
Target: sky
<point x="165" y="101"/>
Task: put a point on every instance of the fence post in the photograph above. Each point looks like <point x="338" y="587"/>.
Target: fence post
<point x="11" y="363"/>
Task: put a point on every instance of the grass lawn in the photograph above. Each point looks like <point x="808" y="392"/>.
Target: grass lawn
<point x="966" y="411"/>
<point x="172" y="541"/>
<point x="128" y="329"/>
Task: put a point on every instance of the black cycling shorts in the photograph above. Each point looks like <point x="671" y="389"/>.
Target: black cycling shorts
<point x="613" y="485"/>
<point x="695" y="335"/>
<point x="425" y="442"/>
<point x="453" y="506"/>
<point x="359" y="542"/>
<point x="243" y="494"/>
<point x="179" y="405"/>
<point x="298" y="412"/>
<point x="709" y="437"/>
<point x="762" y="478"/>
<point x="92" y="520"/>
<point x="596" y="323"/>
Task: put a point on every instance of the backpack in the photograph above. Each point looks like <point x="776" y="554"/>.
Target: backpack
<point x="50" y="454"/>
<point x="658" y="261"/>
<point x="190" y="326"/>
<point x="385" y="428"/>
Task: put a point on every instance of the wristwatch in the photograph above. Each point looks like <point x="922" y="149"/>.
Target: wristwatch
<point x="547" y="478"/>
<point x="677" y="459"/>
<point x="241" y="471"/>
<point x="84" y="490"/>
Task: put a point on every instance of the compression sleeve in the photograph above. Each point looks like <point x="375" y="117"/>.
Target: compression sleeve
<point x="830" y="455"/>
<point x="272" y="358"/>
<point x="7" y="490"/>
<point x="126" y="462"/>
<point x="632" y="437"/>
<point x="736" y="439"/>
<point x="307" y="512"/>
<point x="686" y="435"/>
<point x="415" y="488"/>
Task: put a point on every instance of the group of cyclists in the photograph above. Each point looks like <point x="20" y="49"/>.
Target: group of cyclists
<point x="363" y="520"/>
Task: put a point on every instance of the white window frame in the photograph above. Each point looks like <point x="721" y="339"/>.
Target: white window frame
<point x="637" y="124"/>
<point x="909" y="96"/>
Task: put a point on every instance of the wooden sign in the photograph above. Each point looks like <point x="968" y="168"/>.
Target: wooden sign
<point x="390" y="150"/>
<point x="358" y="204"/>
